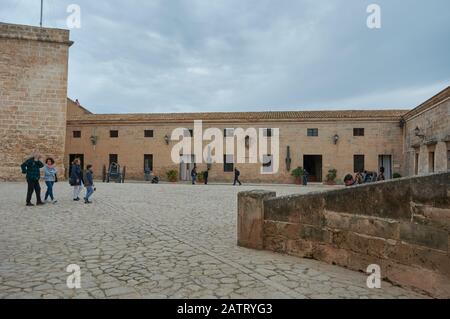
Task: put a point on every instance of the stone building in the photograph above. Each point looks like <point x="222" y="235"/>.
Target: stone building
<point x="33" y="95"/>
<point x="36" y="114"/>
<point x="348" y="141"/>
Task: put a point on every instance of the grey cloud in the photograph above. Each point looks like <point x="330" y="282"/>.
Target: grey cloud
<point x="225" y="55"/>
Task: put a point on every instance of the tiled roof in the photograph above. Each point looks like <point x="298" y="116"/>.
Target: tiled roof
<point x="246" y="116"/>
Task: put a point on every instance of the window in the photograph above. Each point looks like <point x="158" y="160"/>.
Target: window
<point x="113" y="133"/>
<point x="358" y="132"/>
<point x="113" y="158"/>
<point x="228" y="132"/>
<point x="148" y="133"/>
<point x="267" y="132"/>
<point x="431" y="162"/>
<point x="188" y="133"/>
<point x="267" y="163"/>
<point x="416" y="164"/>
<point x="313" y="132"/>
<point x="148" y="162"/>
<point x="358" y="163"/>
<point x="76" y="134"/>
<point x="228" y="163"/>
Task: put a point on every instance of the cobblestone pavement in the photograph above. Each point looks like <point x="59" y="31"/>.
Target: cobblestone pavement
<point x="155" y="241"/>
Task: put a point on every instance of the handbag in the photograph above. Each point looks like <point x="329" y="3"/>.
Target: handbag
<point x="56" y="178"/>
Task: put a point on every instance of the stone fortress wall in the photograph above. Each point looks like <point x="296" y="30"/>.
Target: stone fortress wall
<point x="33" y="95"/>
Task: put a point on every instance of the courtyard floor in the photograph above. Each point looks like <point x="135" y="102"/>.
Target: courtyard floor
<point x="155" y="241"/>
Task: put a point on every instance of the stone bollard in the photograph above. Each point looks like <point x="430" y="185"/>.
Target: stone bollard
<point x="251" y="218"/>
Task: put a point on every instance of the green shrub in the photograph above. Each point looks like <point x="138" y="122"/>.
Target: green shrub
<point x="298" y="172"/>
<point x="397" y="175"/>
<point x="172" y="176"/>
<point x="331" y="176"/>
<point x="200" y="177"/>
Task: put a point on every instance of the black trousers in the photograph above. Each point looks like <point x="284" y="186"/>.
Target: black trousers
<point x="206" y="180"/>
<point x="33" y="186"/>
<point x="236" y="180"/>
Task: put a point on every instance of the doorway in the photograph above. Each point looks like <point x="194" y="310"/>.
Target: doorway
<point x="187" y="163"/>
<point x="386" y="162"/>
<point x="313" y="165"/>
<point x="72" y="157"/>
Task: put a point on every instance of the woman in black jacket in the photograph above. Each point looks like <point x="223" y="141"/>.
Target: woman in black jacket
<point x="76" y="179"/>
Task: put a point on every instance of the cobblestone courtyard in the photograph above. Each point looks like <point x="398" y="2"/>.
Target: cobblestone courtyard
<point x="155" y="241"/>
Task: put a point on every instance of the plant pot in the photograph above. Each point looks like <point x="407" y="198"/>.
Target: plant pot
<point x="299" y="180"/>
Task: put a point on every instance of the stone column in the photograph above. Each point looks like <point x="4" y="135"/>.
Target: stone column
<point x="251" y="218"/>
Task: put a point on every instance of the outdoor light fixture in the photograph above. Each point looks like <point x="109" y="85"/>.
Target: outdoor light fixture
<point x="166" y="139"/>
<point x="335" y="139"/>
<point x="94" y="139"/>
<point x="418" y="132"/>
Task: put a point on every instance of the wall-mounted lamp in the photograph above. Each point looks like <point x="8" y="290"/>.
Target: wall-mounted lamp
<point x="418" y="132"/>
<point x="335" y="139"/>
<point x="94" y="140"/>
<point x="166" y="139"/>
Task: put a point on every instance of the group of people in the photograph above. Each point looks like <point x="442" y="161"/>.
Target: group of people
<point x="194" y="174"/>
<point x="31" y="168"/>
<point x="364" y="177"/>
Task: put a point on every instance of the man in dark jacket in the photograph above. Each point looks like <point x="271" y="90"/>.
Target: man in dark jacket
<point x="236" y="177"/>
<point x="205" y="176"/>
<point x="88" y="183"/>
<point x="31" y="168"/>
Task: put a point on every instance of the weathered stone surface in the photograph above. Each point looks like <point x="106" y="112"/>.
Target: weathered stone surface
<point x="406" y="233"/>
<point x="127" y="248"/>
<point x="33" y="95"/>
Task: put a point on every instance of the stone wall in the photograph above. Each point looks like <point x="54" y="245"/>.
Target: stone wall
<point x="401" y="225"/>
<point x="33" y="95"/>
<point x="432" y="118"/>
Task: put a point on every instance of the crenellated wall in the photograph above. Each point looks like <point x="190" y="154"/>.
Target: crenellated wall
<point x="401" y="225"/>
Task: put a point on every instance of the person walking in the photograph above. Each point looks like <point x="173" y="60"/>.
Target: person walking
<point x="236" y="177"/>
<point x="305" y="177"/>
<point x="50" y="178"/>
<point x="206" y="175"/>
<point x="194" y="175"/>
<point x="31" y="168"/>
<point x="88" y="183"/>
<point x="76" y="179"/>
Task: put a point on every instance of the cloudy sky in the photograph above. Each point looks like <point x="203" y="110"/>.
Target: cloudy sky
<point x="249" y="55"/>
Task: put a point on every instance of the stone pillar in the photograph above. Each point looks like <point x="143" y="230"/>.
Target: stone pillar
<point x="251" y="218"/>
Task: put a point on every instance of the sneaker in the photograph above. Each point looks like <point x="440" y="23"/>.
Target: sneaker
<point x="54" y="201"/>
<point x="76" y="199"/>
<point x="29" y="204"/>
<point x="87" y="202"/>
<point x="40" y="204"/>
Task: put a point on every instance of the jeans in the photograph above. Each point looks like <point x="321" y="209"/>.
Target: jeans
<point x="194" y="179"/>
<point x="49" y="191"/>
<point x="76" y="191"/>
<point x="89" y="192"/>
<point x="33" y="186"/>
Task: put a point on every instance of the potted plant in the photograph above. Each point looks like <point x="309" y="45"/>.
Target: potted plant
<point x="397" y="175"/>
<point x="331" y="177"/>
<point x="172" y="176"/>
<point x="298" y="175"/>
<point x="200" y="177"/>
